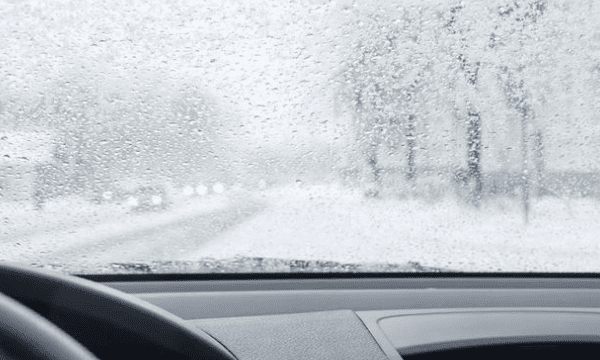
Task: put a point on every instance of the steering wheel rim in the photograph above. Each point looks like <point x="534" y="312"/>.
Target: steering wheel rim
<point x="52" y="293"/>
<point x="32" y="336"/>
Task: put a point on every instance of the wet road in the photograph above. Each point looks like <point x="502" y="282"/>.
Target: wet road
<point x="169" y="240"/>
<point x="334" y="224"/>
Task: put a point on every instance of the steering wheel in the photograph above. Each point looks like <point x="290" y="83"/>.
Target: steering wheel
<point x="25" y="334"/>
<point x="48" y="316"/>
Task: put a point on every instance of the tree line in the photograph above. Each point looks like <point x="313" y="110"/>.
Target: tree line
<point x="463" y="58"/>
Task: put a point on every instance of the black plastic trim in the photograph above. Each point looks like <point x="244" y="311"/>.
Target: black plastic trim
<point x="300" y="275"/>
<point x="422" y="283"/>
<point x="204" y="305"/>
<point x="380" y="337"/>
<point x="460" y="328"/>
<point x="512" y="340"/>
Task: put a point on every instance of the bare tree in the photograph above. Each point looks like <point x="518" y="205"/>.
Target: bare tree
<point x="518" y="18"/>
<point x="470" y="72"/>
<point x="539" y="160"/>
<point x="382" y="84"/>
<point x="517" y="97"/>
<point x="410" y="129"/>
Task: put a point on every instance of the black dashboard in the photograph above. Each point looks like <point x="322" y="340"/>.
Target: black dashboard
<point x="387" y="318"/>
<point x="317" y="316"/>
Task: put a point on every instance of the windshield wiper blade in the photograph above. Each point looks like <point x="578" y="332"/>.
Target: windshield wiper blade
<point x="267" y="265"/>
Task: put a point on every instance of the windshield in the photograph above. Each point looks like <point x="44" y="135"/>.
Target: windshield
<point x="233" y="136"/>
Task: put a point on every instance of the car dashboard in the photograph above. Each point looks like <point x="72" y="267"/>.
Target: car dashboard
<point x="414" y="317"/>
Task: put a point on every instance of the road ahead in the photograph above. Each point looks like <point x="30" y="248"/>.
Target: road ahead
<point x="333" y="223"/>
<point x="145" y="237"/>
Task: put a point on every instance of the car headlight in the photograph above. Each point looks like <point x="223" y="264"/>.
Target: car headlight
<point x="188" y="190"/>
<point x="201" y="190"/>
<point x="156" y="199"/>
<point x="133" y="201"/>
<point x="218" y="188"/>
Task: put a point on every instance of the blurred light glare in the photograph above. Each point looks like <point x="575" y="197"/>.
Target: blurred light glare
<point x="157" y="199"/>
<point x="201" y="190"/>
<point x="218" y="188"/>
<point x="188" y="191"/>
<point x="132" y="201"/>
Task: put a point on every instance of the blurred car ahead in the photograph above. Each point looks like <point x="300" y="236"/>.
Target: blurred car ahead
<point x="147" y="198"/>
